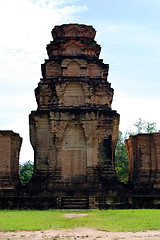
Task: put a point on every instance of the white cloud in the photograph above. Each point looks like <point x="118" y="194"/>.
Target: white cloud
<point x="132" y="108"/>
<point x="25" y="30"/>
<point x="52" y="3"/>
<point x="26" y="26"/>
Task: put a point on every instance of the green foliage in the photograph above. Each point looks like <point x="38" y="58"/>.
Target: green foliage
<point x="145" y="127"/>
<point x="108" y="220"/>
<point x="121" y="156"/>
<point x="26" y="171"/>
<point x="121" y="159"/>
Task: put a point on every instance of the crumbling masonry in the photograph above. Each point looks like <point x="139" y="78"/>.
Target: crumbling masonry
<point x="144" y="160"/>
<point x="73" y="133"/>
<point x="10" y="144"/>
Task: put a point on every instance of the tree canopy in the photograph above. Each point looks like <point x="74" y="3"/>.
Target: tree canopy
<point x="26" y="171"/>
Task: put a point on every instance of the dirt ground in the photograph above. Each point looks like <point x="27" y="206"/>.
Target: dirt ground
<point x="79" y="233"/>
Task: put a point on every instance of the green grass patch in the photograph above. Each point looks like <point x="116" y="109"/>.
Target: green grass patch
<point x="108" y="220"/>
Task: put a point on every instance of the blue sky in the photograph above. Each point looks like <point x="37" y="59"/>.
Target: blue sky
<point x="129" y="35"/>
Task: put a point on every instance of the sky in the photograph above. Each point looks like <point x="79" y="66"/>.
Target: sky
<point x="129" y="35"/>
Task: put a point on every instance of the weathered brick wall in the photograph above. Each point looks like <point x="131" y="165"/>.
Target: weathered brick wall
<point x="144" y="158"/>
<point x="73" y="95"/>
<point x="49" y="134"/>
<point x="10" y="144"/>
<point x="5" y="154"/>
<point x="42" y="140"/>
<point x="74" y="129"/>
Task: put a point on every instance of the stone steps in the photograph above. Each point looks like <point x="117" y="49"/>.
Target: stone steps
<point x="75" y="202"/>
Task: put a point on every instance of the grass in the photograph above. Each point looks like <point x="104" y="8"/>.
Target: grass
<point x="109" y="220"/>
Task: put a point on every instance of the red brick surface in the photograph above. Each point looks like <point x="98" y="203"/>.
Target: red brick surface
<point x="10" y="144"/>
<point x="144" y="158"/>
<point x="74" y="118"/>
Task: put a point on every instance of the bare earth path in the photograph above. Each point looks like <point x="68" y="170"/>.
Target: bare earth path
<point x="78" y="234"/>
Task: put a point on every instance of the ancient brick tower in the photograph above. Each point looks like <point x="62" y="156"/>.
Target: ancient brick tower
<point x="74" y="131"/>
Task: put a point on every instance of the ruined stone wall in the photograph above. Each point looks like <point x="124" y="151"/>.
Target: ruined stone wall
<point x="10" y="144"/>
<point x="144" y="158"/>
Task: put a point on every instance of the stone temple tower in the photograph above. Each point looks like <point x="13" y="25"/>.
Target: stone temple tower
<point x="74" y="130"/>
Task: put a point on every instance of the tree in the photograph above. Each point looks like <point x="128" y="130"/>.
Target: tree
<point x="121" y="156"/>
<point x="145" y="127"/>
<point x="121" y="159"/>
<point x="26" y="171"/>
